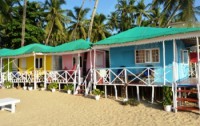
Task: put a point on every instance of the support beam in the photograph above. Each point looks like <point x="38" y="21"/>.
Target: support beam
<point x="164" y="64"/>
<point x="152" y="95"/>
<point x="116" y="96"/>
<point x="8" y="69"/>
<point x="95" y="77"/>
<point x="198" y="59"/>
<point x="1" y="70"/>
<point x="105" y="91"/>
<point x="138" y="93"/>
<point x="45" y="73"/>
<point x="34" y="64"/>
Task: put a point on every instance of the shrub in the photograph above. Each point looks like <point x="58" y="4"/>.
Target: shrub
<point x="69" y="87"/>
<point x="8" y="84"/>
<point x="167" y="95"/>
<point x="53" y="85"/>
<point x="131" y="102"/>
<point x="97" y="92"/>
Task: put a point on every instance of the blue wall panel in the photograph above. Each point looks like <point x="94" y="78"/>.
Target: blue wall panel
<point x="125" y="56"/>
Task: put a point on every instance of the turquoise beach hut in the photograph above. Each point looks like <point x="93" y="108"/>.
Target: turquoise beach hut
<point x="150" y="57"/>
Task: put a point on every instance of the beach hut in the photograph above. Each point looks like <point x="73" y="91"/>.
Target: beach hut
<point x="28" y="64"/>
<point x="77" y="62"/>
<point x="150" y="57"/>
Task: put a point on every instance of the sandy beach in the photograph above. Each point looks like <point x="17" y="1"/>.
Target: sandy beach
<point x="44" y="108"/>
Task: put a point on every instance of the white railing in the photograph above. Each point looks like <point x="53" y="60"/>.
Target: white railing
<point x="61" y="76"/>
<point x="132" y="75"/>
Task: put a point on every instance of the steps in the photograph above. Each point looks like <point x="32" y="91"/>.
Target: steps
<point x="187" y="108"/>
<point x="187" y="98"/>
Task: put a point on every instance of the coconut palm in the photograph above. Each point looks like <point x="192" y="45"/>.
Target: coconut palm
<point x="141" y="12"/>
<point x="55" y="18"/>
<point x="92" y="19"/>
<point x="177" y="10"/>
<point x="23" y="23"/>
<point x="78" y="23"/>
<point x="99" y="30"/>
<point x="113" y="21"/>
<point x="125" y="11"/>
<point x="79" y="14"/>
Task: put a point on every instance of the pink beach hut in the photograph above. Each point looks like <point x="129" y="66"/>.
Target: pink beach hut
<point x="77" y="60"/>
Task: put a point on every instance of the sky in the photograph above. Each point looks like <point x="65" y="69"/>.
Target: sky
<point x="104" y="6"/>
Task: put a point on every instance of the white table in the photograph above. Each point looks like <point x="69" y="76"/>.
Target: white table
<point x="8" y="101"/>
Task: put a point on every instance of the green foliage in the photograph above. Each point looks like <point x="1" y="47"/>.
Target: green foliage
<point x="69" y="87"/>
<point x="167" y="95"/>
<point x="53" y="85"/>
<point x="132" y="102"/>
<point x="8" y="84"/>
<point x="97" y="92"/>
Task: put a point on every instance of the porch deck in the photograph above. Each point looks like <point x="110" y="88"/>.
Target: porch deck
<point x="188" y="82"/>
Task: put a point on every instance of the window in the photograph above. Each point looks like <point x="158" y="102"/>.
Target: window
<point x="185" y="56"/>
<point x="38" y="63"/>
<point x="147" y="56"/>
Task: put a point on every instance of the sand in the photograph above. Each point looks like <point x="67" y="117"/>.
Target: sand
<point x="44" y="108"/>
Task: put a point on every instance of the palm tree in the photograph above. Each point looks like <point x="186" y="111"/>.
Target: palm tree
<point x="125" y="11"/>
<point x="55" y="18"/>
<point x="78" y="23"/>
<point x="92" y="19"/>
<point x="177" y="10"/>
<point x="113" y="21"/>
<point x="79" y="14"/>
<point x="142" y="11"/>
<point x="100" y="29"/>
<point x="23" y="23"/>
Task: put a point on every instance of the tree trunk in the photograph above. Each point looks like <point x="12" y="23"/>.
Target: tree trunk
<point x="79" y="14"/>
<point x="92" y="19"/>
<point x="23" y="23"/>
<point x="47" y="39"/>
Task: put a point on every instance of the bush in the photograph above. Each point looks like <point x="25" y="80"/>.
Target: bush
<point x="97" y="92"/>
<point x="167" y="95"/>
<point x="8" y="84"/>
<point x="131" y="102"/>
<point x="69" y="87"/>
<point x="53" y="85"/>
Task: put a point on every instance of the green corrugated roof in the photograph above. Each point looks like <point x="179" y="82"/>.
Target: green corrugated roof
<point x="36" y="48"/>
<point x="4" y="51"/>
<point x="142" y="33"/>
<point x="71" y="46"/>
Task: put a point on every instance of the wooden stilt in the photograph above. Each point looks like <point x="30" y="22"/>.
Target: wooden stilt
<point x="152" y="95"/>
<point x="126" y="89"/>
<point x="138" y="93"/>
<point x="115" y="92"/>
<point x="105" y="91"/>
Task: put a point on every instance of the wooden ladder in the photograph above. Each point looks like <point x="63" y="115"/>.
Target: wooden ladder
<point x="188" y="98"/>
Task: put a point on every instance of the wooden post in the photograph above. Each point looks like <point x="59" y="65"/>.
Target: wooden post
<point x="8" y="77"/>
<point x="138" y="93"/>
<point x="34" y="63"/>
<point x="198" y="59"/>
<point x="95" y="77"/>
<point x="1" y="71"/>
<point x="164" y="67"/>
<point x="79" y="74"/>
<point x="174" y="85"/>
<point x="105" y="91"/>
<point x="45" y="73"/>
<point x="198" y="75"/>
<point x="152" y="95"/>
<point x="116" y="96"/>
<point x="126" y="82"/>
